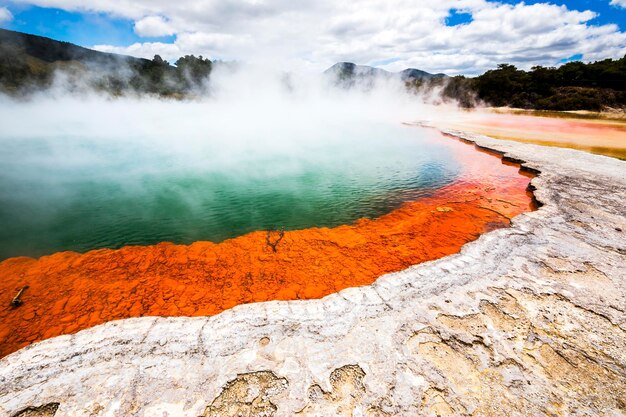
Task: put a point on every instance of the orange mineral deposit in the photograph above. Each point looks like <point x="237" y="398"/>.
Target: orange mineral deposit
<point x="70" y="291"/>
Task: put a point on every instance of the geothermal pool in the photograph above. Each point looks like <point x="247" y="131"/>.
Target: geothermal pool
<point x="81" y="193"/>
<point x="393" y="198"/>
<point x="126" y="208"/>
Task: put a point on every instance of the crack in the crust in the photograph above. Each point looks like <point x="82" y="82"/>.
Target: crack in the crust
<point x="619" y="251"/>
<point x="605" y="365"/>
<point x="563" y="356"/>
<point x="614" y="307"/>
<point x="46" y="410"/>
<point x="200" y="340"/>
<point x="343" y="297"/>
<point x="133" y="385"/>
<point x="389" y="306"/>
<point x="587" y="309"/>
<point x="149" y="329"/>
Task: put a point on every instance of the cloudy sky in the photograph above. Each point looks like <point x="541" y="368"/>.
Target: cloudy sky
<point x="451" y="36"/>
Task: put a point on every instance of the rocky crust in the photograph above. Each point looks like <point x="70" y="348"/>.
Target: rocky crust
<point x="529" y="320"/>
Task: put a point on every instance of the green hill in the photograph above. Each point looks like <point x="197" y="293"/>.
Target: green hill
<point x="572" y="86"/>
<point x="29" y="63"/>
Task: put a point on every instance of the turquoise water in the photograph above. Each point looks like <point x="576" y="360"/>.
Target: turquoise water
<point x="80" y="193"/>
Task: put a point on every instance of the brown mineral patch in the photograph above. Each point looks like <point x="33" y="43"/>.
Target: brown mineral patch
<point x="248" y="395"/>
<point x="347" y="390"/>
<point x="48" y="410"/>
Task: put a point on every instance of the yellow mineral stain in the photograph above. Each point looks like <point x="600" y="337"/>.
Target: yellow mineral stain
<point x="595" y="133"/>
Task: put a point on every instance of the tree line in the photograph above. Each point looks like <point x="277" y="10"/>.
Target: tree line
<point x="572" y="86"/>
<point x="22" y="74"/>
<point x="31" y="63"/>
<point x="187" y="76"/>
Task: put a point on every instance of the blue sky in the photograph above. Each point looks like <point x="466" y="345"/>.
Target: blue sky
<point x="81" y="28"/>
<point x="607" y="13"/>
<point x="452" y="36"/>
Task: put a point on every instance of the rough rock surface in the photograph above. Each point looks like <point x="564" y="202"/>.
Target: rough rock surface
<point x="529" y="320"/>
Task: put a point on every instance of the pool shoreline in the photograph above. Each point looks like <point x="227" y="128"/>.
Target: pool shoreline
<point x="206" y="278"/>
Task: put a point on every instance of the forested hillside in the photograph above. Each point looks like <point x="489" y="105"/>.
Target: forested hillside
<point x="573" y="86"/>
<point x="30" y="63"/>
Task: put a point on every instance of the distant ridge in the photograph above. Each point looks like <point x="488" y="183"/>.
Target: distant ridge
<point x="50" y="50"/>
<point x="346" y="72"/>
<point x="351" y="69"/>
<point x="415" y="74"/>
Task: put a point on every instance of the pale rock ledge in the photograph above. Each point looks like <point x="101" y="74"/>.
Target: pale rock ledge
<point x="526" y="321"/>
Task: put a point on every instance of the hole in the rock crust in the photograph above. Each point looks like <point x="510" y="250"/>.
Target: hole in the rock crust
<point x="47" y="410"/>
<point x="617" y="229"/>
<point x="251" y="394"/>
<point x="264" y="341"/>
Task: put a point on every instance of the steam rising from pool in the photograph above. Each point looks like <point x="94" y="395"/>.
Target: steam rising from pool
<point x="85" y="172"/>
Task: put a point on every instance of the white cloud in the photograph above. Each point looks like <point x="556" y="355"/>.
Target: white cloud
<point x="620" y="3"/>
<point x="153" y="26"/>
<point x="5" y="15"/>
<point x="301" y="34"/>
<point x="148" y="50"/>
